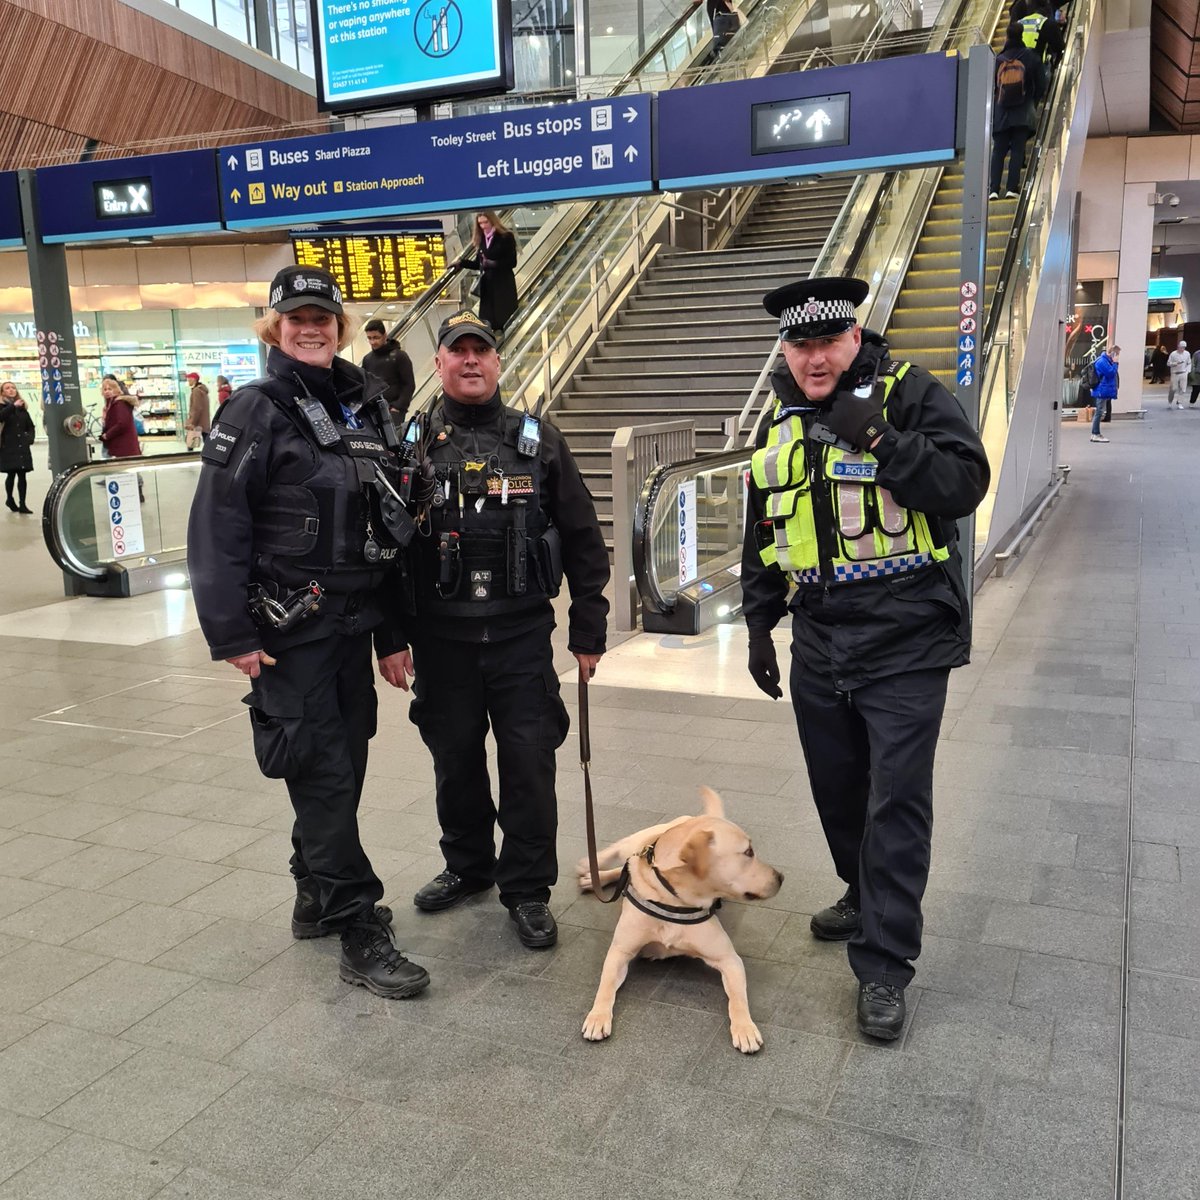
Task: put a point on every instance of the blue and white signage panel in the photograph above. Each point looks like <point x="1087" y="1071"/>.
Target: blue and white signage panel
<point x="12" y="232"/>
<point x="865" y="117"/>
<point x="380" y="53"/>
<point x="589" y="148"/>
<point x="124" y="197"/>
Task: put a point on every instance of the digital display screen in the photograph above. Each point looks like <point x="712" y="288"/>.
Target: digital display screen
<point x="1166" y="288"/>
<point x="376" y="266"/>
<point x="381" y="53"/>
<point x="816" y="121"/>
<point x="123" y="198"/>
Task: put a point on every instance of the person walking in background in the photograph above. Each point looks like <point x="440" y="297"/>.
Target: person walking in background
<point x="496" y="258"/>
<point x="1158" y="365"/>
<point x="1019" y="83"/>
<point x="388" y="364"/>
<point x="1179" y="364"/>
<point x="1104" y="391"/>
<point x="199" y="418"/>
<point x="1194" y="378"/>
<point x="725" y="23"/>
<point x="16" y="442"/>
<point x="117" y="430"/>
<point x="224" y="390"/>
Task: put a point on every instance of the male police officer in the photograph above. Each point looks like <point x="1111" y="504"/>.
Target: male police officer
<point x="507" y="513"/>
<point x="860" y="472"/>
<point x="289" y="541"/>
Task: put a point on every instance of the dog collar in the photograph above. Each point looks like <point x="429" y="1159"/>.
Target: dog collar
<point x="676" y="914"/>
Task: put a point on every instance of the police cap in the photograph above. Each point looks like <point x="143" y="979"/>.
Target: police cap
<point x="816" y="308"/>
<point x="461" y="323"/>
<point x="294" y="287"/>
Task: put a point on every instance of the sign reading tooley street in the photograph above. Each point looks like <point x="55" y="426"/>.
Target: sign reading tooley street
<point x="588" y="148"/>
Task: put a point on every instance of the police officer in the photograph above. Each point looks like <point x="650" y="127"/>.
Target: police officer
<point x="504" y="513"/>
<point x="860" y="472"/>
<point x="288" y="543"/>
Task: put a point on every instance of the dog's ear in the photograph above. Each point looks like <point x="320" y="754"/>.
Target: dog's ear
<point x="696" y="852"/>
<point x="714" y="806"/>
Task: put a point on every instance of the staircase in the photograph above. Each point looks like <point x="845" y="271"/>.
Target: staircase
<point x="692" y="337"/>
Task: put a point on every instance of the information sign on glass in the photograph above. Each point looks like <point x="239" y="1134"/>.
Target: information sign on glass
<point x="376" y="266"/>
<point x="383" y="53"/>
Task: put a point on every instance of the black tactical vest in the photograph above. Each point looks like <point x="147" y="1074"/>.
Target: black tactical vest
<point x="494" y="551"/>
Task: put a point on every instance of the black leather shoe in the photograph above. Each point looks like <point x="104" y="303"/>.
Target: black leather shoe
<point x="536" y="926"/>
<point x="306" y="915"/>
<point x="838" y="922"/>
<point x="880" y="1011"/>
<point x="26" y="511"/>
<point x="370" y="960"/>
<point x="11" y="503"/>
<point x="446" y="890"/>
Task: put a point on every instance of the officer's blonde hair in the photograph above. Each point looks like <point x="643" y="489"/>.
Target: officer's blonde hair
<point x="266" y="328"/>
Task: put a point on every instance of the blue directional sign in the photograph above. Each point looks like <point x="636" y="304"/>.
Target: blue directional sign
<point x="11" y="231"/>
<point x="589" y="148"/>
<point x="116" y="198"/>
<point x="864" y="117"/>
<point x="966" y="378"/>
<point x="966" y="344"/>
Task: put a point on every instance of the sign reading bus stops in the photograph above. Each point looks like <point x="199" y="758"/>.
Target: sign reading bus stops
<point x="588" y="148"/>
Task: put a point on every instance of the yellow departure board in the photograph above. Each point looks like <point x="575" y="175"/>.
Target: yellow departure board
<point x="376" y="266"/>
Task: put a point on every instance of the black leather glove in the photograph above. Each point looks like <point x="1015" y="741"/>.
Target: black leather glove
<point x="855" y="419"/>
<point x="764" y="666"/>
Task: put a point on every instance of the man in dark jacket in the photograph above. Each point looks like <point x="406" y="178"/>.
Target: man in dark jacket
<point x="1019" y="83"/>
<point x="859" y="477"/>
<point x="389" y="364"/>
<point x="503" y="512"/>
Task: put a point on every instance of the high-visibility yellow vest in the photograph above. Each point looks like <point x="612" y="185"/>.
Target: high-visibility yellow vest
<point x="1031" y="29"/>
<point x="872" y="535"/>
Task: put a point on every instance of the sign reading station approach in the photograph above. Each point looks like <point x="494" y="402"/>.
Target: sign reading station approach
<point x="589" y="148"/>
<point x="375" y="266"/>
<point x="381" y="53"/>
<point x="863" y="117"/>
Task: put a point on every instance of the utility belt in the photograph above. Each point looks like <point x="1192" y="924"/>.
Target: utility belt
<point x="845" y="572"/>
<point x="482" y="565"/>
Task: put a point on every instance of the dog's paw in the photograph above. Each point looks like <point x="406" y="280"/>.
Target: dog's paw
<point x="597" y="1025"/>
<point x="746" y="1037"/>
<point x="583" y="875"/>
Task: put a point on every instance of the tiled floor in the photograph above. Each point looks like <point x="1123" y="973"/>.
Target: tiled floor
<point x="161" y="1035"/>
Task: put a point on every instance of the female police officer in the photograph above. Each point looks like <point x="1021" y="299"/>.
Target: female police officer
<point x="287" y="547"/>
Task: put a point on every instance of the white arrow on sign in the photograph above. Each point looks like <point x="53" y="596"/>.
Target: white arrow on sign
<point x="231" y="162"/>
<point x="818" y="123"/>
<point x="630" y="153"/>
<point x="630" y="114"/>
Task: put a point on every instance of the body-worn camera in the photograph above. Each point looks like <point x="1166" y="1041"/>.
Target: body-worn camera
<point x="285" y="614"/>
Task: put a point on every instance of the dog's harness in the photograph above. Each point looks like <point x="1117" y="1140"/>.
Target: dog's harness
<point x="674" y="913"/>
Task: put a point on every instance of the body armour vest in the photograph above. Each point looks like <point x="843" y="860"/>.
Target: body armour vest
<point x="871" y="536"/>
<point x="490" y="547"/>
<point x="321" y="520"/>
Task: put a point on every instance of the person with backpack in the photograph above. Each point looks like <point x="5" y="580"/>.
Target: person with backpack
<point x="1020" y="83"/>
<point x="1104" y="390"/>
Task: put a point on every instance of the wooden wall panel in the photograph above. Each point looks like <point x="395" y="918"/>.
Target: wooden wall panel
<point x="1175" y="62"/>
<point x="98" y="69"/>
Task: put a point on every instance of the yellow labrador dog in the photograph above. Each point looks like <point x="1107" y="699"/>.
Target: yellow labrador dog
<point x="672" y="878"/>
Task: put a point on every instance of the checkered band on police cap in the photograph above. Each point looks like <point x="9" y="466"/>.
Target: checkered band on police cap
<point x="818" y="307"/>
<point x="816" y="310"/>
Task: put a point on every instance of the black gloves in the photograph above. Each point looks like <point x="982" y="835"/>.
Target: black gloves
<point x="764" y="666"/>
<point x="855" y="419"/>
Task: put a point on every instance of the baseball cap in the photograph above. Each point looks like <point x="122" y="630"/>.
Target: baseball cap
<point x="461" y="323"/>
<point x="294" y="287"/>
<point x="193" y="375"/>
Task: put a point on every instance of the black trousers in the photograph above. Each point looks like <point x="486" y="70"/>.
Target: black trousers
<point x="17" y="477"/>
<point x="462" y="689"/>
<point x="313" y="714"/>
<point x="870" y="756"/>
<point x="1009" y="142"/>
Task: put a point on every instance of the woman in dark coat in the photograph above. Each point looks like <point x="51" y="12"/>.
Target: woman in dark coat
<point x="16" y="440"/>
<point x="496" y="249"/>
<point x="117" y="431"/>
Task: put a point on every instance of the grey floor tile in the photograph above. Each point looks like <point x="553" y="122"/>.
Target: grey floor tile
<point x="1059" y="931"/>
<point x="59" y="780"/>
<point x="95" y="867"/>
<point x="51" y="1064"/>
<point x="1162" y="900"/>
<point x="73" y="820"/>
<point x="819" y="1002"/>
<point x="209" y="1020"/>
<point x="147" y="1098"/>
<point x="140" y="830"/>
<point x="63" y="916"/>
<point x="165" y="880"/>
<point x="1084" y="1057"/>
<point x="1162" y="1152"/>
<point x="796" y="944"/>
<point x="1086" y="891"/>
<point x="516" y="1010"/>
<point x="35" y="971"/>
<point x="1164" y="1070"/>
<point x="1068" y="985"/>
<point x="800" y="1155"/>
<point x="22" y="1139"/>
<point x="259" y="1129"/>
<point x="83" y="1168"/>
<point x="691" y="983"/>
<point x="192" y="1183"/>
<point x="113" y="998"/>
<point x="24" y="856"/>
<point x="13" y="1027"/>
<point x="1170" y="948"/>
<point x="18" y="807"/>
<point x="954" y="1174"/>
<point x="16" y="894"/>
<point x="241" y="894"/>
<point x="954" y="914"/>
<point x="1152" y="860"/>
<point x="309" y="970"/>
<point x="967" y="968"/>
<point x="143" y="932"/>
<point x="227" y="950"/>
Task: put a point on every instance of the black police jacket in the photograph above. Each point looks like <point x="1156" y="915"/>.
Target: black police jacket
<point x="393" y="368"/>
<point x="855" y="632"/>
<point x="472" y="599"/>
<point x="275" y="508"/>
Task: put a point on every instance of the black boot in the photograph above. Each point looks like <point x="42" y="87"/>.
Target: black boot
<point x="880" y="1011"/>
<point x="445" y="890"/>
<point x="370" y="960"/>
<point x="838" y="922"/>
<point x="12" y="504"/>
<point x="306" y="916"/>
<point x="535" y="924"/>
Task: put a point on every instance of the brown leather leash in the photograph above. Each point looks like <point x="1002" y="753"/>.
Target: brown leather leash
<point x="585" y="760"/>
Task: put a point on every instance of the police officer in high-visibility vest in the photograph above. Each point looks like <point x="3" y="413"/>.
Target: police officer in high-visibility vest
<point x="861" y="469"/>
<point x="503" y="514"/>
<point x="1041" y="33"/>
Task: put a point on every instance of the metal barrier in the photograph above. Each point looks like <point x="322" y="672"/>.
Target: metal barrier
<point x="637" y="450"/>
